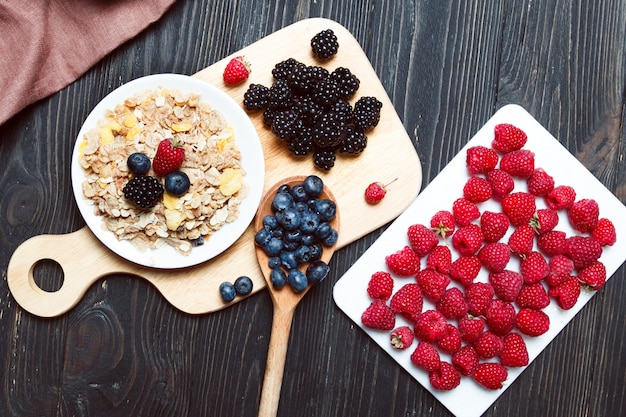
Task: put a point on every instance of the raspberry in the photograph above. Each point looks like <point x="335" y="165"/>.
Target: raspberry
<point x="491" y="375"/>
<point x="501" y="183"/>
<point x="324" y="44"/>
<point x="367" y="113"/>
<point x="519" y="207"/>
<point x="552" y="243"/>
<point x="407" y="301"/>
<point x="540" y="182"/>
<point x="522" y="239"/>
<point x="465" y="269"/>
<point x="533" y="296"/>
<point x="584" y="215"/>
<point x="566" y="294"/>
<point x="439" y="259"/>
<point x="480" y="159"/>
<point x="604" y="232"/>
<point x="471" y="328"/>
<point x="464" y="211"/>
<point x="169" y="156"/>
<point x="494" y="225"/>
<point x="500" y="317"/>
<point x="506" y="284"/>
<point x="532" y="322"/>
<point x="593" y="276"/>
<point x="403" y="262"/>
<point x="445" y="378"/>
<point x="514" y="351"/>
<point x="582" y="250"/>
<point x="401" y="338"/>
<point x="561" y="197"/>
<point x="426" y="356"/>
<point x="544" y="220"/>
<point x="534" y="267"/>
<point x="433" y="284"/>
<point x="488" y="345"/>
<point x="144" y="191"/>
<point x="378" y="316"/>
<point x="508" y="138"/>
<point x="430" y="326"/>
<point x="478" y="296"/>
<point x="465" y="360"/>
<point x="468" y="239"/>
<point x="477" y="189"/>
<point x="443" y="223"/>
<point x="561" y="265"/>
<point x="520" y="163"/>
<point x="422" y="239"/>
<point x="451" y="341"/>
<point x="494" y="256"/>
<point x="452" y="304"/>
<point x="380" y="285"/>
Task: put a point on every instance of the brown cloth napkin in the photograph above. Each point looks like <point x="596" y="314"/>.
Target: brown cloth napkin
<point x="47" y="44"/>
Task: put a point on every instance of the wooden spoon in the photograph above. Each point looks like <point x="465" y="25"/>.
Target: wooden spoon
<point x="285" y="301"/>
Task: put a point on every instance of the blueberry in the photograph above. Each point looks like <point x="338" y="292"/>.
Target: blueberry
<point x="278" y="278"/>
<point x="177" y="183"/>
<point x="288" y="260"/>
<point x="293" y="235"/>
<point x="322" y="231"/>
<point x="303" y="254"/>
<point x="313" y="185"/>
<point x="297" y="280"/>
<point x="289" y="218"/>
<point x="290" y="245"/>
<point x="326" y="209"/>
<point x="199" y="241"/>
<point x="309" y="221"/>
<point x="243" y="285"/>
<point x="283" y="189"/>
<point x="138" y="163"/>
<point x="301" y="206"/>
<point x="317" y="271"/>
<point x="298" y="193"/>
<point x="270" y="222"/>
<point x="307" y="239"/>
<point x="227" y="291"/>
<point x="273" y="262"/>
<point x="331" y="239"/>
<point x="273" y="247"/>
<point x="262" y="237"/>
<point x="316" y="251"/>
<point x="282" y="201"/>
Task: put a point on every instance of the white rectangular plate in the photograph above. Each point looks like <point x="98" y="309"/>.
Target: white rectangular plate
<point x="350" y="292"/>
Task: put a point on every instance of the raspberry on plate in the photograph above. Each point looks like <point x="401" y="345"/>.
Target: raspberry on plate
<point x="508" y="138"/>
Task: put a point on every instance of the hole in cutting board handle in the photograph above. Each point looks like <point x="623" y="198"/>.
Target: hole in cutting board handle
<point x="47" y="275"/>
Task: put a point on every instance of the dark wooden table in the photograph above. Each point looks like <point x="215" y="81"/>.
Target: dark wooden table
<point x="447" y="66"/>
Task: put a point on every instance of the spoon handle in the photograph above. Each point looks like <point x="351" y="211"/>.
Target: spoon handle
<point x="276" y="355"/>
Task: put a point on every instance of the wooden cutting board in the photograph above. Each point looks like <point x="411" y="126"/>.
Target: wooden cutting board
<point x="390" y="154"/>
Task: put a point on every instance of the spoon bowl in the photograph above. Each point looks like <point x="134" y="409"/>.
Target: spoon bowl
<point x="285" y="301"/>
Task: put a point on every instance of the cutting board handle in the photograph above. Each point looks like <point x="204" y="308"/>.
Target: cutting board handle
<point x="81" y="258"/>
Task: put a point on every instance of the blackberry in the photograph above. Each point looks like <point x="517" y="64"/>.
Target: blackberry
<point x="256" y="97"/>
<point x="324" y="45"/>
<point x="324" y="159"/>
<point x="327" y="92"/>
<point x="353" y="142"/>
<point x="268" y="116"/>
<point x="309" y="110"/>
<point x="367" y="112"/>
<point x="343" y="110"/>
<point x="348" y="82"/>
<point x="280" y="94"/>
<point x="328" y="133"/>
<point x="282" y="70"/>
<point x="302" y="143"/>
<point x="286" y="124"/>
<point x="143" y="191"/>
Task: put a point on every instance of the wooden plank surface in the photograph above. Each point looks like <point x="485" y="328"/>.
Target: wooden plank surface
<point x="447" y="66"/>
<point x="196" y="289"/>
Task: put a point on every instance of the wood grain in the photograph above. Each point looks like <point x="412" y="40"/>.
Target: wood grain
<point x="446" y="66"/>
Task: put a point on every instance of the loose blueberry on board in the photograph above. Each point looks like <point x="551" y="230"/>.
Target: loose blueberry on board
<point x="317" y="271"/>
<point x="313" y="185"/>
<point x="243" y="285"/>
<point x="227" y="291"/>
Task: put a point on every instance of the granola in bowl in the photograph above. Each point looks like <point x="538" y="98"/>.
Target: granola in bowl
<point x="214" y="162"/>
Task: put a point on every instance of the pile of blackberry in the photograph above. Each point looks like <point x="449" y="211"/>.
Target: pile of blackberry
<point x="308" y="108"/>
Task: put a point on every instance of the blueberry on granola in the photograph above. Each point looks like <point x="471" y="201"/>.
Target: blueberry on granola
<point x="138" y="163"/>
